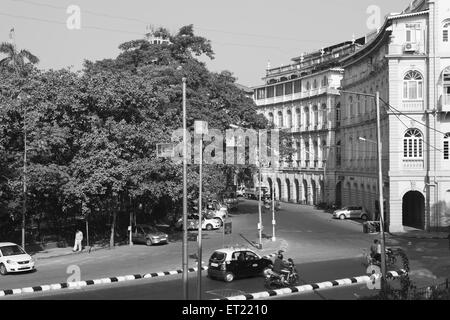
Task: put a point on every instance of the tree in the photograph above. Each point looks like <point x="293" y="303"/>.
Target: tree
<point x="17" y="61"/>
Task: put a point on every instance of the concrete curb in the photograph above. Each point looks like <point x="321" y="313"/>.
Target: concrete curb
<point x="79" y="284"/>
<point x="68" y="253"/>
<point x="418" y="237"/>
<point x="311" y="287"/>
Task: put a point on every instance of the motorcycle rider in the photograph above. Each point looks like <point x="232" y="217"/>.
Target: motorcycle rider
<point x="280" y="266"/>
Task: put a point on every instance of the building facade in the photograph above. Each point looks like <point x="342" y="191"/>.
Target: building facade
<point x="299" y="100"/>
<point x="326" y="101"/>
<point x="408" y="63"/>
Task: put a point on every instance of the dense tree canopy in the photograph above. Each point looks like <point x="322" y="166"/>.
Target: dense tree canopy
<point x="92" y="135"/>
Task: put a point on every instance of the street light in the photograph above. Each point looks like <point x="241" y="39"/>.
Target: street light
<point x="200" y="128"/>
<point x="185" y="238"/>
<point x="24" y="207"/>
<point x="260" y="226"/>
<point x="376" y="96"/>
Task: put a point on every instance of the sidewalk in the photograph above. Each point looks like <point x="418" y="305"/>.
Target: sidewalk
<point x="60" y="252"/>
<point x="413" y="233"/>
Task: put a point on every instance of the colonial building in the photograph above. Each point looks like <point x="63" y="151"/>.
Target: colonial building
<point x="334" y="132"/>
<point x="300" y="99"/>
<point x="408" y="62"/>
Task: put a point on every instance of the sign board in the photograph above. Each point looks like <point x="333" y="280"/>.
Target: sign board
<point x="227" y="227"/>
<point x="165" y="150"/>
<point x="200" y="127"/>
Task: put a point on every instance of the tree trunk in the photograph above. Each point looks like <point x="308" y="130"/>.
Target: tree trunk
<point x="113" y="227"/>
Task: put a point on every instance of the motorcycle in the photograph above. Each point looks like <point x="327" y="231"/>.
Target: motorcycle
<point x="390" y="258"/>
<point x="286" y="279"/>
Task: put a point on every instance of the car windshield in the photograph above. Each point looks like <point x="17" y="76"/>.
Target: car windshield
<point x="218" y="256"/>
<point x="11" y="250"/>
<point x="148" y="229"/>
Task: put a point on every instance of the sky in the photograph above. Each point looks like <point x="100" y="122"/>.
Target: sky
<point x="245" y="34"/>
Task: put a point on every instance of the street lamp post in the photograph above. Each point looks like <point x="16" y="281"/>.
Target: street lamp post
<point x="185" y="238"/>
<point x="376" y="96"/>
<point x="25" y="149"/>
<point x="201" y="127"/>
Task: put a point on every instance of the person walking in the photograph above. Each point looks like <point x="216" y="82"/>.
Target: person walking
<point x="78" y="239"/>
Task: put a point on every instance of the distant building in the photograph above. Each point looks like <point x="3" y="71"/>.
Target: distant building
<point x="408" y="61"/>
<point x="155" y="37"/>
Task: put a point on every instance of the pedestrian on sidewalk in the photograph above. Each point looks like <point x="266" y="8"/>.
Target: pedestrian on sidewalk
<point x="78" y="239"/>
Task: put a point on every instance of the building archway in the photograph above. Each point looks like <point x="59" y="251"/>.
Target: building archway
<point x="269" y="181"/>
<point x="297" y="191"/>
<point x="305" y="191"/>
<point x="279" y="188"/>
<point x="314" y="192"/>
<point x="413" y="209"/>
<point x="338" y="195"/>
<point x="288" y="190"/>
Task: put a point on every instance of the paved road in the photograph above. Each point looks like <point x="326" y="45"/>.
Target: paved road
<point x="171" y="287"/>
<point x="306" y="234"/>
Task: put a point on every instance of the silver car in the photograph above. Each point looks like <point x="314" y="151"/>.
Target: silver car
<point x="350" y="212"/>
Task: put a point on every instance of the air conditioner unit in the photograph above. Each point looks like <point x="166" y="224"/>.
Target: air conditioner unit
<point x="411" y="47"/>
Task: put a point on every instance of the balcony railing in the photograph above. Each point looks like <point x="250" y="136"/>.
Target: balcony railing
<point x="413" y="163"/>
<point x="413" y="105"/>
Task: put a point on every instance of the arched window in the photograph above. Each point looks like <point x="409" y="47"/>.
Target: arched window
<point x="359" y="105"/>
<point x="324" y="115"/>
<point x="338" y="153"/>
<point x="314" y="84"/>
<point x="271" y="117"/>
<point x="289" y="119"/>
<point x="308" y="86"/>
<point x="413" y="144"/>
<point x="298" y="117"/>
<point x="446" y="146"/>
<point x="413" y="86"/>
<point x="350" y="102"/>
<point x="306" y="117"/>
<point x="280" y="119"/>
<point x="316" y="116"/>
<point x="445" y="31"/>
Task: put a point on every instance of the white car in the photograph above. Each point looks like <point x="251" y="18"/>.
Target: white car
<point x="14" y="259"/>
<point x="207" y="223"/>
<point x="350" y="212"/>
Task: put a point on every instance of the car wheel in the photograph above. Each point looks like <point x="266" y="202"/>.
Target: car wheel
<point x="3" y="269"/>
<point x="364" y="217"/>
<point x="229" y="277"/>
<point x="266" y="271"/>
<point x="220" y="221"/>
<point x="209" y="227"/>
<point x="149" y="242"/>
<point x="342" y="217"/>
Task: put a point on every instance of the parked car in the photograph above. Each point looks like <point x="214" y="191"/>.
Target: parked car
<point x="149" y="235"/>
<point x="231" y="263"/>
<point x="208" y="222"/>
<point x="14" y="259"/>
<point x="350" y="212"/>
<point x="231" y="200"/>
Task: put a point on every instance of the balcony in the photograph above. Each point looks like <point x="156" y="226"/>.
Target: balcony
<point x="413" y="105"/>
<point x="316" y="163"/>
<point x="414" y="164"/>
<point x="306" y="163"/>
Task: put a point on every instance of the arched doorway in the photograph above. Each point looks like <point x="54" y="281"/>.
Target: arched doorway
<point x="279" y="188"/>
<point x="305" y="192"/>
<point x="269" y="181"/>
<point x="314" y="192"/>
<point x="297" y="191"/>
<point x="413" y="209"/>
<point x="288" y="190"/>
<point x="338" y="200"/>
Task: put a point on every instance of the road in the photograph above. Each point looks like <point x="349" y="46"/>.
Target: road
<point x="324" y="248"/>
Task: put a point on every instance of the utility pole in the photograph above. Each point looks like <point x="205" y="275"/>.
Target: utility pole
<point x="380" y="193"/>
<point x="185" y="238"/>
<point x="201" y="127"/>
<point x="24" y="208"/>
<point x="273" y="213"/>
<point x="260" y="227"/>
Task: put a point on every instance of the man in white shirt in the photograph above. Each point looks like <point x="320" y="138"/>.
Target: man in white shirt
<point x="78" y="239"/>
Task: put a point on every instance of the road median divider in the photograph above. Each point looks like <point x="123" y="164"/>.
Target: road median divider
<point x="308" y="288"/>
<point x="84" y="283"/>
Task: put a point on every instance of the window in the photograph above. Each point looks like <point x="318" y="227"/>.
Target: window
<point x="260" y="94"/>
<point x="446" y="82"/>
<point x="314" y="84"/>
<point x="324" y="115"/>
<point x="413" y="86"/>
<point x="350" y="102"/>
<point x="308" y="86"/>
<point x="270" y="92"/>
<point x="324" y="81"/>
<point x="316" y="115"/>
<point x="445" y="30"/>
<point x="413" y="144"/>
<point x="338" y="153"/>
<point x="288" y="88"/>
<point x="289" y="119"/>
<point x="297" y="86"/>
<point x="297" y="111"/>
<point x="446" y="146"/>
<point x="413" y="32"/>
<point x="280" y="119"/>
<point x="279" y="90"/>
<point x="271" y="117"/>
